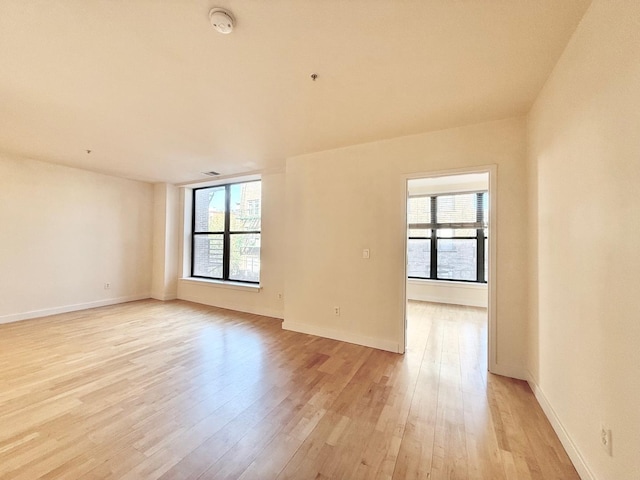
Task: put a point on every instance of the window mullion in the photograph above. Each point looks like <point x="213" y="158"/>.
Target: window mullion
<point x="226" y="239"/>
<point x="433" y="273"/>
<point x="193" y="232"/>
<point x="479" y="240"/>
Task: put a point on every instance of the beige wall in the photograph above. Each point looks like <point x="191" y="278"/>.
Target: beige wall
<point x="264" y="301"/>
<point x="64" y="233"/>
<point x="342" y="201"/>
<point x="585" y="162"/>
<point x="166" y="224"/>
<point x="454" y="293"/>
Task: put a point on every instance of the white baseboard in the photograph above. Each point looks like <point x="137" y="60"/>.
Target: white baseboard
<point x="380" y="344"/>
<point x="256" y="310"/>
<point x="16" y="317"/>
<point x="572" y="450"/>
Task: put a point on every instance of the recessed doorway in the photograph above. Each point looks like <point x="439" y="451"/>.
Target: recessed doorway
<point x="449" y="237"/>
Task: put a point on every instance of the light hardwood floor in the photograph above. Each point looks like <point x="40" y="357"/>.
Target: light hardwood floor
<point x="176" y="390"/>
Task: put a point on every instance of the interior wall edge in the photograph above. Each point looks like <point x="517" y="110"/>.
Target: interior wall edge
<point x="511" y="371"/>
<point x="378" y="343"/>
<point x="569" y="445"/>
<point x="164" y="297"/>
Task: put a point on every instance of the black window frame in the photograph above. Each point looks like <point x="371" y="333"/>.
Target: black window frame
<point x="226" y="233"/>
<point x="479" y="226"/>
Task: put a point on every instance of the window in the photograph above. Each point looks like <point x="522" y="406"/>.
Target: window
<point x="225" y="240"/>
<point x="448" y="237"/>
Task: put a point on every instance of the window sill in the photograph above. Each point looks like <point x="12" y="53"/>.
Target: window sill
<point x="247" y="287"/>
<point x="452" y="283"/>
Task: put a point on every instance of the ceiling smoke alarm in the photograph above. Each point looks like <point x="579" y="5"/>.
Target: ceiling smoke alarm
<point x="221" y="20"/>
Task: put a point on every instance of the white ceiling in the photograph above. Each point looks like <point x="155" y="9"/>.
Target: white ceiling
<point x="158" y="95"/>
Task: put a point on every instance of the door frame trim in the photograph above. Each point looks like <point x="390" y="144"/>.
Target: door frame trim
<point x="492" y="291"/>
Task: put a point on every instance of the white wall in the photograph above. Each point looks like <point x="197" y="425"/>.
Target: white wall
<point x="263" y="301"/>
<point x="454" y="293"/>
<point x="166" y="224"/>
<point x="448" y="184"/>
<point x="64" y="233"/>
<point x="342" y="201"/>
<point x="584" y="340"/>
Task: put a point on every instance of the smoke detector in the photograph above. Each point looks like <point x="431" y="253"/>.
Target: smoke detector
<point x="221" y="20"/>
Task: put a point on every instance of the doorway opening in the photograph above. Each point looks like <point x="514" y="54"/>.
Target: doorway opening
<point x="449" y="268"/>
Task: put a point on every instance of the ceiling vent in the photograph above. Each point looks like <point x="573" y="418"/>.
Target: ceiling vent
<point x="221" y="20"/>
<point x="211" y="173"/>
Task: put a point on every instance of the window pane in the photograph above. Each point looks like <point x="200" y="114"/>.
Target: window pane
<point x="455" y="232"/>
<point x="486" y="260"/>
<point x="245" y="257"/>
<point x="207" y="255"/>
<point x="485" y="208"/>
<point x="419" y="258"/>
<point x="420" y="232"/>
<point x="245" y="206"/>
<point x="419" y="210"/>
<point x="209" y="209"/>
<point x="456" y="208"/>
<point x="457" y="259"/>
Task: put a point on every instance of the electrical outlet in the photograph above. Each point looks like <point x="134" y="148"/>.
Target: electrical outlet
<point x="336" y="311"/>
<point x="605" y="439"/>
<point x="107" y="286"/>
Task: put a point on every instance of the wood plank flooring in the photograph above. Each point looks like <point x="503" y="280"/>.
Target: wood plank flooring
<point x="175" y="390"/>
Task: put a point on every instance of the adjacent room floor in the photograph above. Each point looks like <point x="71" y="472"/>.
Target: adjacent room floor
<point x="177" y="390"/>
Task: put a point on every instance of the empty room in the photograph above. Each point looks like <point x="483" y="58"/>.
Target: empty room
<point x="334" y="239"/>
